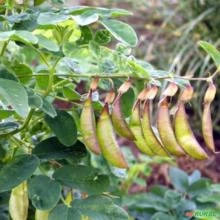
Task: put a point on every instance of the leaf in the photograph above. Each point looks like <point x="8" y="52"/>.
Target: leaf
<point x="50" y="18"/>
<point x="86" y="18"/>
<point x="199" y="187"/>
<point x="5" y="113"/>
<point x="70" y="93"/>
<point x="138" y="69"/>
<point x="121" y="31"/>
<point x="82" y="177"/>
<point x="15" y="95"/>
<point x="102" y="37"/>
<point x="172" y="198"/>
<point x="48" y="108"/>
<point x="162" y="216"/>
<point x="24" y="37"/>
<point x="62" y="212"/>
<point x="143" y="201"/>
<point x="186" y="205"/>
<point x="212" y="51"/>
<point x="64" y="127"/>
<point x="38" y="2"/>
<point x="52" y="149"/>
<point x="16" y="171"/>
<point x="35" y="101"/>
<point x="127" y="101"/>
<point x="86" y="35"/>
<point x="8" y="125"/>
<point x="44" y="192"/>
<point x="195" y="176"/>
<point x="100" y="207"/>
<point x="23" y="72"/>
<point x="47" y="43"/>
<point x="5" y="36"/>
<point x="179" y="179"/>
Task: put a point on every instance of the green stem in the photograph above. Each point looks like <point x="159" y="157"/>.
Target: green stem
<point x="43" y="58"/>
<point x="51" y="77"/>
<point x="25" y="124"/>
<point x="121" y="76"/>
<point x="5" y="44"/>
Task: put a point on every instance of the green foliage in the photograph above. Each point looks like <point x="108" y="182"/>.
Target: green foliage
<point x="43" y="192"/>
<point x="187" y="196"/>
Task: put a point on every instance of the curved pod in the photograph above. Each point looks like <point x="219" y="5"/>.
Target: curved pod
<point x="88" y="127"/>
<point x="185" y="135"/>
<point x="107" y="140"/>
<point x="18" y="203"/>
<point x="119" y="122"/>
<point x="135" y="126"/>
<point x="207" y="127"/>
<point x="166" y="131"/>
<point x="148" y="132"/>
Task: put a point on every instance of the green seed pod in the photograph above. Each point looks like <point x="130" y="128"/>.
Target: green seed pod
<point x="41" y="214"/>
<point x="207" y="129"/>
<point x="107" y="140"/>
<point x="148" y="132"/>
<point x="185" y="136"/>
<point x="88" y="127"/>
<point x="135" y="126"/>
<point x="18" y="203"/>
<point x="119" y="123"/>
<point x="166" y="131"/>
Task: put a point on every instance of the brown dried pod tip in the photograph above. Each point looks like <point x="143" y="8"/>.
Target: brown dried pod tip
<point x="142" y="94"/>
<point x="151" y="93"/>
<point x="125" y="87"/>
<point x="187" y="94"/>
<point x="94" y="84"/>
<point x="210" y="93"/>
<point x="110" y="97"/>
<point x="171" y="89"/>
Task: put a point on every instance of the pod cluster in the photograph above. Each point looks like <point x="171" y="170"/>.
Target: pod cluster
<point x="171" y="136"/>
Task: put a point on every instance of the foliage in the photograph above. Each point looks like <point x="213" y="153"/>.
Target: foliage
<point x="190" y="194"/>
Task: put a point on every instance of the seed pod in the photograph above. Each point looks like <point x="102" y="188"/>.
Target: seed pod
<point x="18" y="203"/>
<point x="107" y="140"/>
<point x="187" y="94"/>
<point x="207" y="129"/>
<point x="119" y="122"/>
<point x="88" y="127"/>
<point x="210" y="93"/>
<point x="166" y="131"/>
<point x="148" y="132"/>
<point x="135" y="126"/>
<point x="185" y="136"/>
<point x="171" y="89"/>
<point x="41" y="214"/>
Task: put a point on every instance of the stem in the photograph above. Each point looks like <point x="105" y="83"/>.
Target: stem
<point x="44" y="59"/>
<point x="121" y="76"/>
<point x="25" y="124"/>
<point x="51" y="76"/>
<point x="4" y="48"/>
